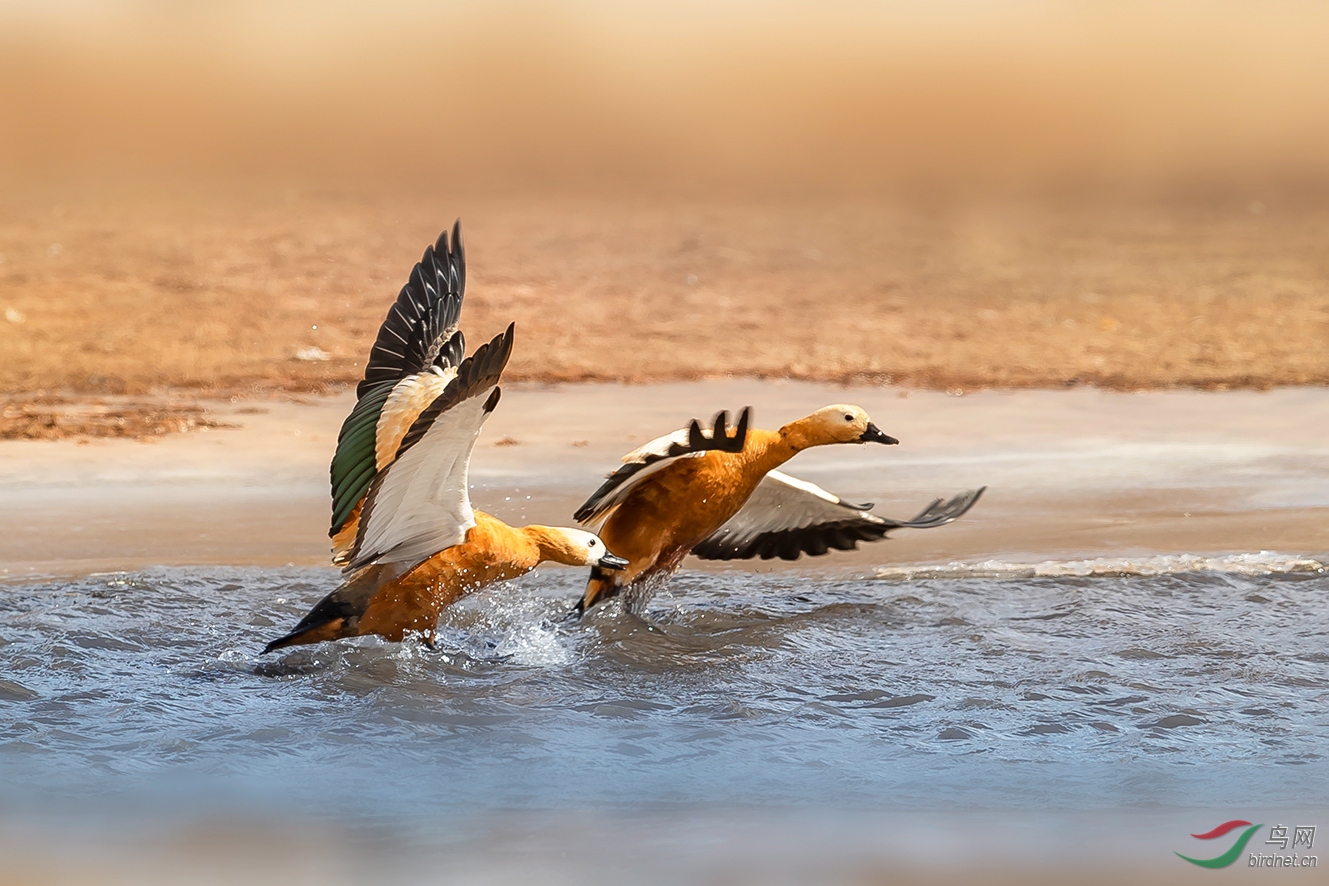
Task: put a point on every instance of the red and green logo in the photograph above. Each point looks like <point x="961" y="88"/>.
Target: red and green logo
<point x="1222" y="861"/>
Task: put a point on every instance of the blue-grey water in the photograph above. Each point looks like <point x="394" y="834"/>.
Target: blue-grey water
<point x="144" y="695"/>
<point x="1067" y="691"/>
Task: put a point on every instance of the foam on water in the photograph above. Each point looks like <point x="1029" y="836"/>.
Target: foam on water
<point x="1261" y="563"/>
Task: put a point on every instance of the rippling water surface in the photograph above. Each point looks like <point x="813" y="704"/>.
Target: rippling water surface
<point x="1079" y="692"/>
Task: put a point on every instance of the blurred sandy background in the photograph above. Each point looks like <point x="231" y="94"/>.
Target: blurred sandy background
<point x="954" y="194"/>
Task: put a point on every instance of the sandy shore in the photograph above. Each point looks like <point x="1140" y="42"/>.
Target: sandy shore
<point x="213" y="296"/>
<point x="1071" y="475"/>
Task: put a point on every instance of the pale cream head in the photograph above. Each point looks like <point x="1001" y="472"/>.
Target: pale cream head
<point x="839" y="423"/>
<point x="575" y="547"/>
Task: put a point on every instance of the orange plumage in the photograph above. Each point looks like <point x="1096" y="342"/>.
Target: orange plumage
<point x="671" y="510"/>
<point x="375" y="602"/>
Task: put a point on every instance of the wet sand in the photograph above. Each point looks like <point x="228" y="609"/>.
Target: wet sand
<point x="1071" y="475"/>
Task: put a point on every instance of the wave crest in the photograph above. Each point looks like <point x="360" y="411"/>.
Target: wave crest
<point x="1260" y="563"/>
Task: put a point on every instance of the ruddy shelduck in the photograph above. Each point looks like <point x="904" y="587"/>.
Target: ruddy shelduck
<point x="403" y="529"/>
<point x="716" y="493"/>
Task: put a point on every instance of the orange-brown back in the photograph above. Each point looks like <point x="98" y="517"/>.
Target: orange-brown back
<point x="669" y="512"/>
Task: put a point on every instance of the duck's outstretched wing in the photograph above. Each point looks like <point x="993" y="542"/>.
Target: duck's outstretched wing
<point x="419" y="504"/>
<point x="415" y="356"/>
<point x="787" y="517"/>
<point x="641" y="463"/>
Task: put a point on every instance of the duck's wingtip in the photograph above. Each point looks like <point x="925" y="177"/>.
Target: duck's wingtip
<point x="966" y="500"/>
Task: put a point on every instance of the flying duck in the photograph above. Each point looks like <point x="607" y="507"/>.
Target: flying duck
<point x="714" y="492"/>
<point x="403" y="529"/>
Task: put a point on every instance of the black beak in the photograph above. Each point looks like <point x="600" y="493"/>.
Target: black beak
<point x="874" y="435"/>
<point x="609" y="561"/>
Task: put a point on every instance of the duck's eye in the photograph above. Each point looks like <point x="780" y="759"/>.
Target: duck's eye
<point x="591" y="543"/>
<point x="848" y="417"/>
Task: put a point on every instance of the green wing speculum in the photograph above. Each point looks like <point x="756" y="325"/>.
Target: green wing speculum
<point x="355" y="461"/>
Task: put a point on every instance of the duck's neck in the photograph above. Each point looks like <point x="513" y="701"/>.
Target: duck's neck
<point x="767" y="450"/>
<point x="546" y="544"/>
<point x="519" y="549"/>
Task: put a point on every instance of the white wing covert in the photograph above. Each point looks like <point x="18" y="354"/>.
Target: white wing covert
<point x="786" y="517"/>
<point x="420" y="503"/>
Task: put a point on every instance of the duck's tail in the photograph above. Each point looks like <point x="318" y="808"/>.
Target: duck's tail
<point x="337" y="614"/>
<point x="328" y="630"/>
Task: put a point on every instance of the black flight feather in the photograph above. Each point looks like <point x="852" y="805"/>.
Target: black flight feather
<point x="840" y="535"/>
<point x="419" y="325"/>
